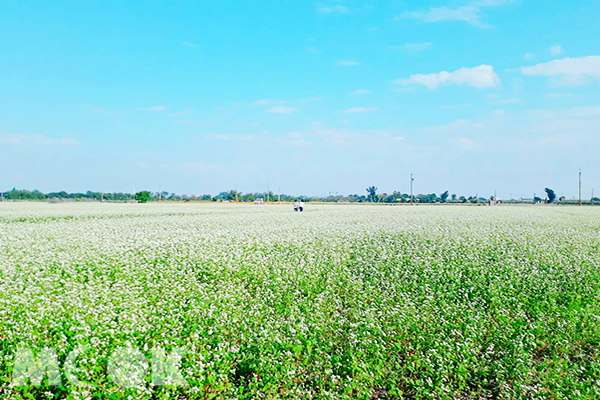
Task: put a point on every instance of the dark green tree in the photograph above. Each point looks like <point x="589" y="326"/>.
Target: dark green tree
<point x="143" y="196"/>
<point x="444" y="196"/>
<point x="551" y="195"/>
<point x="372" y="194"/>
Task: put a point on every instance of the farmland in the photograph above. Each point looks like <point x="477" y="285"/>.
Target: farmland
<point x="347" y="301"/>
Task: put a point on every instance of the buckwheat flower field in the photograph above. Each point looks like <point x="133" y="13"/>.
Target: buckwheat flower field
<point x="340" y="301"/>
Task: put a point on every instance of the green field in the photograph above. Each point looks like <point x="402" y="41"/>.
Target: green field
<point x="347" y="301"/>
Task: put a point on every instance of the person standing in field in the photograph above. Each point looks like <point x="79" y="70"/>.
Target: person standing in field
<point x="296" y="205"/>
<point x="301" y="206"/>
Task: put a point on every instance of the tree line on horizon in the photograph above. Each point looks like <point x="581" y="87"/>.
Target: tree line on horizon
<point x="371" y="196"/>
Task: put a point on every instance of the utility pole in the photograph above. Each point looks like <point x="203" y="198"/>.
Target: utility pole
<point x="159" y="193"/>
<point x="411" y="189"/>
<point x="580" y="188"/>
<point x="279" y="195"/>
<point x="268" y="193"/>
<point x="592" y="196"/>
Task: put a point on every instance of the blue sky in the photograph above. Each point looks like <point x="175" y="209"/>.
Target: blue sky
<point x="309" y="97"/>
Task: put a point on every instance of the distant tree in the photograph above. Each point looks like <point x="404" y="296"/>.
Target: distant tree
<point x="462" y="199"/>
<point x="453" y="196"/>
<point x="537" y="200"/>
<point x="551" y="195"/>
<point x="372" y="194"/>
<point x="143" y="196"/>
<point x="427" y="198"/>
<point x="444" y="196"/>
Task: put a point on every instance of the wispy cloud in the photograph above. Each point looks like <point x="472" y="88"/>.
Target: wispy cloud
<point x="528" y="56"/>
<point x="281" y="110"/>
<point x="568" y="71"/>
<point x="468" y="14"/>
<point x="267" y="102"/>
<point x="558" y="95"/>
<point x="361" y="91"/>
<point x="190" y="45"/>
<point x="355" y="110"/>
<point x="556" y="50"/>
<point x="466" y="142"/>
<point x="157" y="108"/>
<point x="347" y="63"/>
<point x="296" y="139"/>
<point x="479" y="77"/>
<point x="37" y="140"/>
<point x="337" y="8"/>
<point x="413" y="46"/>
<point x="592" y="112"/>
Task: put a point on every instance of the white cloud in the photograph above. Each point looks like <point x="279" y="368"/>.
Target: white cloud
<point x="569" y="71"/>
<point x="466" y="142"/>
<point x="413" y="46"/>
<point x="468" y="14"/>
<point x="361" y="91"/>
<point x="591" y="112"/>
<point x="347" y="63"/>
<point x="528" y="56"/>
<point x="296" y="139"/>
<point x="558" y="95"/>
<point x="556" y="50"/>
<point x="38" y="140"/>
<point x="157" y="108"/>
<point x="281" y="110"/>
<point x="479" y="77"/>
<point x="333" y="9"/>
<point x="495" y="99"/>
<point x="399" y="138"/>
<point x="190" y="45"/>
<point x="267" y="102"/>
<point x="355" y="110"/>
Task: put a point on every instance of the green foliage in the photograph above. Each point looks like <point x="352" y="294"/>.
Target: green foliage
<point x="143" y="196"/>
<point x="372" y="194"/>
<point x="444" y="196"/>
<point x="550" y="194"/>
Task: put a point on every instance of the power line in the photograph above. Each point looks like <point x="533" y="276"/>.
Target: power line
<point x="494" y="176"/>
